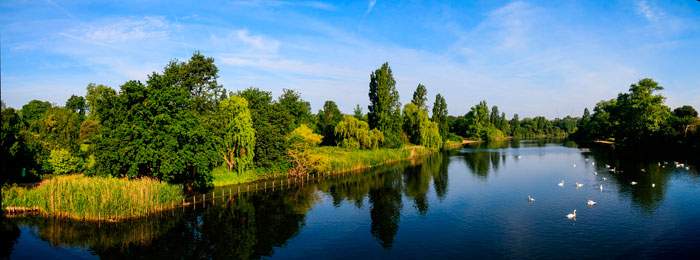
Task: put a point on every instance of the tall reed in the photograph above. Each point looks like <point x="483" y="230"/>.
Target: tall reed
<point x="94" y="198"/>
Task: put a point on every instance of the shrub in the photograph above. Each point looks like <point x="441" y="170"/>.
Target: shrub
<point x="62" y="162"/>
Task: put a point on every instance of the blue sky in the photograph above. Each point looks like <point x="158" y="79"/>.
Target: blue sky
<point x="549" y="58"/>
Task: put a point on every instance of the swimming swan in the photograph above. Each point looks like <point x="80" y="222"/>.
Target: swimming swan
<point x="571" y="215"/>
<point x="561" y="183"/>
<point x="591" y="203"/>
<point x="530" y="198"/>
<point x="579" y="185"/>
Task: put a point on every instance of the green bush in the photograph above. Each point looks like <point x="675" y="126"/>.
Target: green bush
<point x="62" y="162"/>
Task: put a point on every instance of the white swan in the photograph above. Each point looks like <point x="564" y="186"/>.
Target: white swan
<point x="633" y="183"/>
<point x="605" y="179"/>
<point x="653" y="185"/>
<point x="607" y="166"/>
<point x="593" y="163"/>
<point x="601" y="187"/>
<point x="530" y="198"/>
<point x="591" y="203"/>
<point x="571" y="215"/>
<point x="574" y="165"/>
<point x="579" y="185"/>
<point x="561" y="183"/>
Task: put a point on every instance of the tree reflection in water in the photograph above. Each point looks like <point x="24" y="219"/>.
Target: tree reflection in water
<point x="255" y="224"/>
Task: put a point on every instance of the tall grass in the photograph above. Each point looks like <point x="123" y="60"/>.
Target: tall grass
<point x="332" y="159"/>
<point x="223" y="176"/>
<point x="94" y="198"/>
<point x="337" y="159"/>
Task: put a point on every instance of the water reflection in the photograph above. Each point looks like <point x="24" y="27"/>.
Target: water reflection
<point x="257" y="224"/>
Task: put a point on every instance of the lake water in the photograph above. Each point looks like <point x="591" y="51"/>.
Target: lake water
<point x="464" y="203"/>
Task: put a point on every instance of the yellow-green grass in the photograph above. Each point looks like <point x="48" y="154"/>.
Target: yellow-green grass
<point x="223" y="176"/>
<point x="94" y="198"/>
<point x="337" y="159"/>
<point x="332" y="159"/>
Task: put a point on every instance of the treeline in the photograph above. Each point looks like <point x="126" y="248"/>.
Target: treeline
<point x="639" y="118"/>
<point x="482" y="123"/>
<point x="180" y="123"/>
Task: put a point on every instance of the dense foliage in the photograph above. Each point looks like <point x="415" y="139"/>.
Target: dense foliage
<point x="640" y="117"/>
<point x="385" y="108"/>
<point x="180" y="124"/>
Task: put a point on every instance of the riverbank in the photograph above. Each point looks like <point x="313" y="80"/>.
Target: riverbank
<point x="85" y="198"/>
<point x="92" y="198"/>
<point x="332" y="160"/>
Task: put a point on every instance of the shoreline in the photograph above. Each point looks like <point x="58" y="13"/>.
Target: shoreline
<point x="360" y="161"/>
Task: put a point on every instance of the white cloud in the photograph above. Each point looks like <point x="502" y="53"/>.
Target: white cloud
<point x="127" y="30"/>
<point x="644" y="9"/>
<point x="258" y="42"/>
<point x="370" y="6"/>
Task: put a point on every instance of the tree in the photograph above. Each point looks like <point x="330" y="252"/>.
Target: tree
<point x="300" y="110"/>
<point x="302" y="139"/>
<point x="328" y="118"/>
<point x="34" y="110"/>
<point x="271" y="124"/>
<point x="684" y="117"/>
<point x="198" y="76"/>
<point x="640" y="113"/>
<point x="14" y="156"/>
<point x="440" y="115"/>
<point x="419" y="128"/>
<point x="478" y="121"/>
<point x="495" y="116"/>
<point x="97" y="97"/>
<point x="234" y="134"/>
<point x="355" y="134"/>
<point x="357" y="112"/>
<point x="77" y="104"/>
<point x="156" y="129"/>
<point x="420" y="98"/>
<point x="385" y="109"/>
<point x="62" y="162"/>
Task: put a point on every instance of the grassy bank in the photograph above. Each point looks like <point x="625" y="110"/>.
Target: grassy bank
<point x="332" y="160"/>
<point x="223" y="177"/>
<point x="93" y="198"/>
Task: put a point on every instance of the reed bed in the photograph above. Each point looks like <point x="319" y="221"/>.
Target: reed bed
<point x="337" y="159"/>
<point x="94" y="198"/>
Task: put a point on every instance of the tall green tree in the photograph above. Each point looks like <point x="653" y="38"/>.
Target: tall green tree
<point x="156" y="129"/>
<point x="234" y="135"/>
<point x="440" y="115"/>
<point x="34" y="110"/>
<point x="640" y="113"/>
<point x="684" y="118"/>
<point x="328" y="118"/>
<point x="420" y="97"/>
<point x="300" y="110"/>
<point x="77" y="104"/>
<point x="271" y="123"/>
<point x="357" y="112"/>
<point x="385" y="108"/>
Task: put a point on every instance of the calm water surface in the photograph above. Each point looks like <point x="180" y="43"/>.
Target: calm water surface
<point x="466" y="203"/>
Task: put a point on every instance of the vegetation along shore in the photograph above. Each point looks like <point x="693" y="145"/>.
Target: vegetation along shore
<point x="126" y="153"/>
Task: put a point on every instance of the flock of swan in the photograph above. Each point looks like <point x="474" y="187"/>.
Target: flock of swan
<point x="591" y="203"/>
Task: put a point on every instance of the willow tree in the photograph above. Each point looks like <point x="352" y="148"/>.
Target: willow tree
<point x="234" y="134"/>
<point x="384" y="108"/>
<point x="355" y="134"/>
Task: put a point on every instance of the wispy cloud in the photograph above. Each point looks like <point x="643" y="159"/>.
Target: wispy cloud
<point x="370" y="6"/>
<point x="644" y="9"/>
